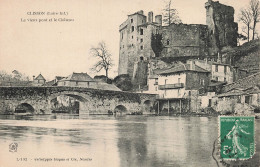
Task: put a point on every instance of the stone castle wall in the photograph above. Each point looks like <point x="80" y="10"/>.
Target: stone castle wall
<point x="182" y="40"/>
<point x="221" y="25"/>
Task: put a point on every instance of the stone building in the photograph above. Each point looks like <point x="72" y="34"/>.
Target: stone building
<point x="185" y="40"/>
<point x="135" y="40"/>
<point x="176" y="41"/>
<point x="84" y="80"/>
<point x="77" y="80"/>
<point x="178" y="87"/>
<point x="39" y="80"/>
<point x="221" y="26"/>
<point x="176" y="82"/>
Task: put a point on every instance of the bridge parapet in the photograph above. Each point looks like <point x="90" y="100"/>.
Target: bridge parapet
<point x="98" y="101"/>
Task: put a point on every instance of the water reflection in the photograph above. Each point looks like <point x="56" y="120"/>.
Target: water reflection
<point x="111" y="141"/>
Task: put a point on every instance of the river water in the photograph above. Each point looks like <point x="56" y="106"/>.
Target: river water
<point x="66" y="140"/>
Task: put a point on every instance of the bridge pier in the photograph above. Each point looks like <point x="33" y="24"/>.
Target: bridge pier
<point x="91" y="101"/>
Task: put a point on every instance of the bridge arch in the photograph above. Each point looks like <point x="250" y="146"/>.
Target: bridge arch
<point x="24" y="108"/>
<point x="83" y="100"/>
<point x="121" y="109"/>
<point x="147" y="105"/>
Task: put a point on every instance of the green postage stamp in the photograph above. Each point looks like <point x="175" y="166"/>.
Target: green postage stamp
<point x="237" y="137"/>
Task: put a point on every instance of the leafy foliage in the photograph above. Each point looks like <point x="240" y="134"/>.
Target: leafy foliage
<point x="103" y="78"/>
<point x="156" y="43"/>
<point x="123" y="82"/>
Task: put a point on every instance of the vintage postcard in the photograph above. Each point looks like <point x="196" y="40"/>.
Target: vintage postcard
<point x="120" y="83"/>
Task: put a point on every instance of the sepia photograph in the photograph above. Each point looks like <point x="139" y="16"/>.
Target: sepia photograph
<point x="120" y="83"/>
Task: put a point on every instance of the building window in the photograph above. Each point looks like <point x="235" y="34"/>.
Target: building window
<point x="122" y="35"/>
<point x="64" y="83"/>
<point x="132" y="20"/>
<point x="133" y="28"/>
<point x="210" y="101"/>
<point x="77" y="83"/>
<point x="156" y="82"/>
<point x="123" y="46"/>
<point x="248" y="99"/>
<point x="202" y="82"/>
<point x="141" y="31"/>
<point x="132" y="37"/>
<point x="141" y="40"/>
<point x="225" y="69"/>
<point x="225" y="79"/>
<point x="216" y="78"/>
<point x="142" y="47"/>
<point x="142" y="21"/>
<point x="179" y="92"/>
<point x="168" y="42"/>
<point x="179" y="80"/>
<point x="216" y="68"/>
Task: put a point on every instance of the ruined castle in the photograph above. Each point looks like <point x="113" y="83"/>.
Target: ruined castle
<point x="140" y="36"/>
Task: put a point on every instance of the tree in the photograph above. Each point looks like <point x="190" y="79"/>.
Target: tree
<point x="123" y="82"/>
<point x="104" y="58"/>
<point x="255" y="12"/>
<point x="156" y="44"/>
<point x="246" y="18"/>
<point x="103" y="78"/>
<point x="170" y="15"/>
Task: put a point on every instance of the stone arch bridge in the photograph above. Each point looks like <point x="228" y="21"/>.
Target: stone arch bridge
<point x="91" y="101"/>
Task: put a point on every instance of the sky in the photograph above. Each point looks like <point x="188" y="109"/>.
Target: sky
<point x="58" y="48"/>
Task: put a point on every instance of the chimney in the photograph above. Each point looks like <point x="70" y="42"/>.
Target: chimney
<point x="150" y="17"/>
<point x="158" y="19"/>
<point x="192" y="64"/>
<point x="33" y="77"/>
<point x="140" y="12"/>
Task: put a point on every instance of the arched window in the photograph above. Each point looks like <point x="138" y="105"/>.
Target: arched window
<point x="168" y="42"/>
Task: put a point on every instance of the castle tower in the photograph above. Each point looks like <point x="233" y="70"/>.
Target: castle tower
<point x="221" y="25"/>
<point x="135" y="42"/>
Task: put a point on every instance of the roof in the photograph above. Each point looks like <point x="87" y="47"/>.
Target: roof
<point x="59" y="78"/>
<point x="238" y="92"/>
<point x="50" y="83"/>
<point x="219" y="63"/>
<point x="183" y="68"/>
<point x="153" y="76"/>
<point x="253" y="90"/>
<point x="137" y="13"/>
<point x="40" y="77"/>
<point x="244" y="83"/>
<point x="232" y="93"/>
<point x="78" y="77"/>
<point x="217" y="83"/>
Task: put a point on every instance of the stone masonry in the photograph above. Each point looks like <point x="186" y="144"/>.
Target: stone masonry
<point x="179" y="41"/>
<point x="92" y="101"/>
